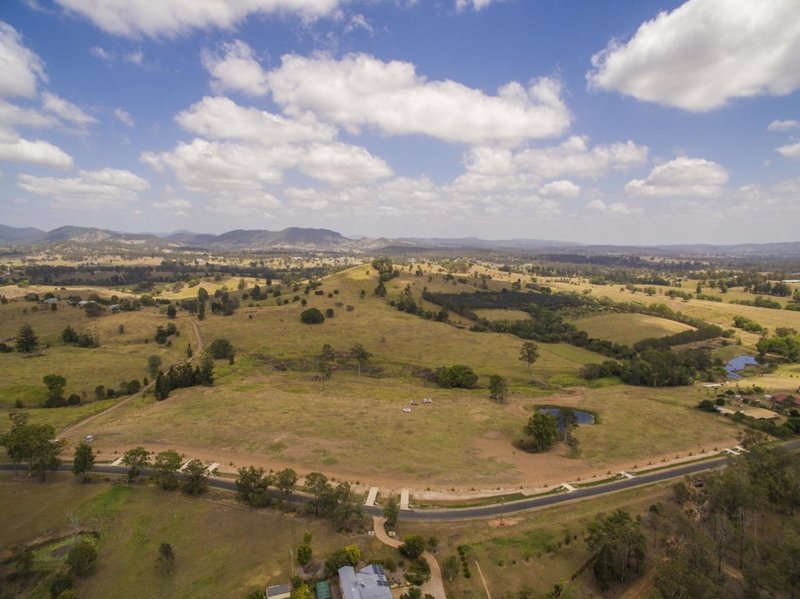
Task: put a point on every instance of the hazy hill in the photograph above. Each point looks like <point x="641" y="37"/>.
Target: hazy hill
<point x="306" y="239"/>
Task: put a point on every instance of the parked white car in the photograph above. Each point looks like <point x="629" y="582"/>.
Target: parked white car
<point x="406" y="409"/>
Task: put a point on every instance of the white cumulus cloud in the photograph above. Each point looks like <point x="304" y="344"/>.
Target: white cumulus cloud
<point x="124" y="117"/>
<point x="360" y="91"/>
<point x="614" y="208"/>
<point x="67" y="111"/>
<point x="560" y="189"/>
<point x="681" y="177"/>
<point x="20" y="68"/>
<point x="234" y="67"/>
<point x="790" y="150"/>
<point x="90" y="190"/>
<point x="786" y="125"/>
<point x="705" y="53"/>
<point x="221" y="118"/>
<point x="474" y="4"/>
<point x="168" y="18"/>
<point x="34" y="152"/>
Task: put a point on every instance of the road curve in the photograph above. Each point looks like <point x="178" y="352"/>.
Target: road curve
<point x="486" y="511"/>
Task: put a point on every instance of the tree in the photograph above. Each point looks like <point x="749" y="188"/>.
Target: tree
<point x="285" y="480"/>
<point x="166" y="464"/>
<point x="566" y="420"/>
<point x="205" y="373"/>
<point x="316" y="483"/>
<point x="391" y="511"/>
<point x="55" y="387"/>
<point x="541" y="430"/>
<point x="166" y="558"/>
<point x="251" y="486"/>
<point x="451" y="568"/>
<point x="498" y="388"/>
<point x="68" y="335"/>
<point x="153" y="365"/>
<point x="353" y="554"/>
<point x="413" y="546"/>
<point x="324" y="360"/>
<point x="458" y="376"/>
<point x="33" y="444"/>
<point x="529" y="353"/>
<point x="312" y="316"/>
<point x="220" y="349"/>
<point x="81" y="559"/>
<point x="172" y="312"/>
<point x="136" y="459"/>
<point x="618" y="540"/>
<point x="83" y="462"/>
<point x="360" y="354"/>
<point x="304" y="553"/>
<point x="196" y="480"/>
<point x="26" y="340"/>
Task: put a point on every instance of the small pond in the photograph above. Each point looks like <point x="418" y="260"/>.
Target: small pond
<point x="738" y="363"/>
<point x="582" y="417"/>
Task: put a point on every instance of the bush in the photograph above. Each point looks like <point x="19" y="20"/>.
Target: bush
<point x="458" y="376"/>
<point x="81" y="559"/>
<point x="312" y="316"/>
<point x="220" y="349"/>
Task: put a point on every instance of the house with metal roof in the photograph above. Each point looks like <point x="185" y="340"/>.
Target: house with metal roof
<point x="279" y="591"/>
<point x="367" y="583"/>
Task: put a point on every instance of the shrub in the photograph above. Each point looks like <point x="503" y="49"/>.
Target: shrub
<point x="312" y="316"/>
<point x="459" y="376"/>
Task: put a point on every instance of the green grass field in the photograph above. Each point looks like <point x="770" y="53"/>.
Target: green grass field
<point x="627" y="329"/>
<point x="496" y="314"/>
<point x="120" y="357"/>
<point x="222" y="548"/>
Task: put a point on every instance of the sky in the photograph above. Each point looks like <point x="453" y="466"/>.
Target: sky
<point x="620" y="122"/>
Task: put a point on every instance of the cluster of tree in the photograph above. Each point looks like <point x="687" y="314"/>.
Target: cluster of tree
<point x="747" y="516"/>
<point x="784" y="343"/>
<point x="253" y="485"/>
<point x="180" y="376"/>
<point x="257" y="488"/>
<point x="778" y="288"/>
<point x="710" y="331"/>
<point x="541" y="431"/>
<point x="658" y="368"/>
<point x="456" y="376"/>
<point x="385" y="268"/>
<point x="169" y="271"/>
<point x="224" y="303"/>
<point x="466" y="303"/>
<point x="164" y="333"/>
<point x="69" y="335"/>
<point x="166" y="470"/>
<point x="744" y="323"/>
<point x="759" y="302"/>
<point x="618" y="544"/>
<point x="32" y="444"/>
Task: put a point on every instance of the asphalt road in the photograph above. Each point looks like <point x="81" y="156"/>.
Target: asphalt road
<point x="487" y="511"/>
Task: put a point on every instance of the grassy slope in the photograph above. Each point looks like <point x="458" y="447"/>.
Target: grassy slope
<point x="628" y="328"/>
<point x="120" y="357"/>
<point x="222" y="549"/>
<point x="356" y="425"/>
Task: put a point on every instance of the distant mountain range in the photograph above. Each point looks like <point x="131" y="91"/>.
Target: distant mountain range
<point x="303" y="239"/>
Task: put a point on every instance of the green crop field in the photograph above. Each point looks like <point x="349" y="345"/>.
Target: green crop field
<point x="627" y="329"/>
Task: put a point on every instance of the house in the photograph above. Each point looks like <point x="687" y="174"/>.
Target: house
<point x="279" y="591"/>
<point x="761" y="414"/>
<point x="367" y="583"/>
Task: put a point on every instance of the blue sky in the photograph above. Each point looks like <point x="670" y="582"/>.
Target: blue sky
<point x="602" y="122"/>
